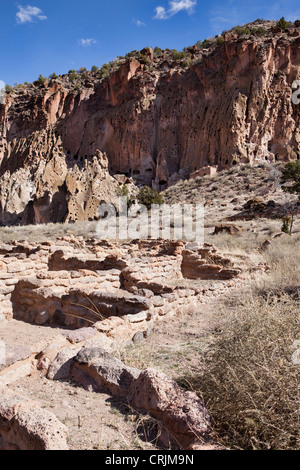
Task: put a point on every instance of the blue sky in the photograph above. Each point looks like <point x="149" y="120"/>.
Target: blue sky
<point x="42" y="37"/>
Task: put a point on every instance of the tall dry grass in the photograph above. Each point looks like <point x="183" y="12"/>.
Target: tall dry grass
<point x="250" y="384"/>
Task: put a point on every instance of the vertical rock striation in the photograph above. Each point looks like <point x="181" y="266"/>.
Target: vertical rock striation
<point x="230" y="104"/>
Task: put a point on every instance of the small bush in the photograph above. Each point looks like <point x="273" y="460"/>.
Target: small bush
<point x="103" y="72"/>
<point x="283" y="24"/>
<point x="286" y="225"/>
<point x="220" y="41"/>
<point x="73" y="77"/>
<point x="157" y="52"/>
<point x="8" y="89"/>
<point x="148" y="196"/>
<point x="251" y="386"/>
<point x="206" y="43"/>
<point x="42" y="80"/>
<point x="259" y="31"/>
<point x="291" y="175"/>
<point x="131" y="54"/>
<point x="176" y="55"/>
<point x="241" y="31"/>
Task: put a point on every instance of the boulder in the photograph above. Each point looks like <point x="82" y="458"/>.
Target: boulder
<point x="60" y="368"/>
<point x="98" y="371"/>
<point x="26" y="426"/>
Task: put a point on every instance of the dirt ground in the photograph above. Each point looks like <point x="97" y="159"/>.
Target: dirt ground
<point x="96" y="421"/>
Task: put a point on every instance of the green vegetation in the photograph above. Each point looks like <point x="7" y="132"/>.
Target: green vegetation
<point x="206" y="43"/>
<point x="283" y="24"/>
<point x="94" y="69"/>
<point x="241" y="31"/>
<point x="8" y="89"/>
<point x="157" y="52"/>
<point x="104" y="71"/>
<point x="53" y="76"/>
<point x="148" y="196"/>
<point x="246" y="31"/>
<point x="286" y="225"/>
<point x="131" y="54"/>
<point x="220" y="41"/>
<point x="42" y="80"/>
<point x="291" y="175"/>
<point x="258" y="31"/>
<point x="176" y="55"/>
<point x="73" y="76"/>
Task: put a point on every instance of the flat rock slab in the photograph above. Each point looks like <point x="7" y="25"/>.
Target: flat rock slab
<point x="12" y="355"/>
<point x="15" y="373"/>
<point x="29" y="427"/>
<point x="32" y="337"/>
<point x="80" y="335"/>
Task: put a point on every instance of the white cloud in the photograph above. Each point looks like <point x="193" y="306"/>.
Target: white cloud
<point x="161" y="13"/>
<point x="29" y="14"/>
<point x="87" y="42"/>
<point x="175" y="6"/>
<point x="139" y="23"/>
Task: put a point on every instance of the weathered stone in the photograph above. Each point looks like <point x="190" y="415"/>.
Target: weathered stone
<point x="15" y="373"/>
<point x="139" y="317"/>
<point x="138" y="337"/>
<point x="43" y="317"/>
<point x="104" y="372"/>
<point x="230" y="229"/>
<point x="60" y="368"/>
<point x="25" y="426"/>
<point x="109" y="324"/>
<point x="182" y="413"/>
<point x="80" y="335"/>
<point x="15" y="354"/>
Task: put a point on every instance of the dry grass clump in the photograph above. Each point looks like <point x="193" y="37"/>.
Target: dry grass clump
<point x="283" y="258"/>
<point x="46" y="232"/>
<point x="250" y="385"/>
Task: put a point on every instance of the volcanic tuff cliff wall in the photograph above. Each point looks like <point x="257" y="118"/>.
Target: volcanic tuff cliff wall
<point x="159" y="123"/>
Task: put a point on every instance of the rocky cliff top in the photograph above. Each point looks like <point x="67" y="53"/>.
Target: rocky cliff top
<point x="155" y="60"/>
<point x="155" y="115"/>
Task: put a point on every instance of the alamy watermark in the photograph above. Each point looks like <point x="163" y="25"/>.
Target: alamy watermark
<point x="296" y="354"/>
<point x="2" y="92"/>
<point x="2" y="354"/>
<point x="296" y="93"/>
<point x="176" y="222"/>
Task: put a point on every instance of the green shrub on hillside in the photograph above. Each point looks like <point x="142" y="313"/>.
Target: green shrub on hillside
<point x="291" y="175"/>
<point x="157" y="52"/>
<point x="283" y="24"/>
<point x="8" y="89"/>
<point x="148" y="196"/>
<point x="220" y="41"/>
<point x="41" y="80"/>
<point x="82" y="70"/>
<point x="176" y="55"/>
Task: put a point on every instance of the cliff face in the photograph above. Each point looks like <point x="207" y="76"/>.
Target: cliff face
<point x="232" y="104"/>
